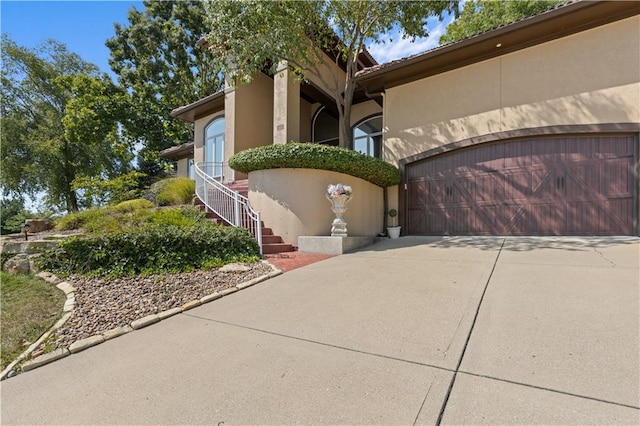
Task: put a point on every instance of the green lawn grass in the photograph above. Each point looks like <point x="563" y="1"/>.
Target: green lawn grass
<point x="29" y="306"/>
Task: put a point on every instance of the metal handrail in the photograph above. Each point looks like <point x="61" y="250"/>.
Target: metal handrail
<point x="219" y="171"/>
<point x="228" y="204"/>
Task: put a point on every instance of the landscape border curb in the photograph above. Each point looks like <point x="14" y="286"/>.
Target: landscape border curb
<point x="80" y="345"/>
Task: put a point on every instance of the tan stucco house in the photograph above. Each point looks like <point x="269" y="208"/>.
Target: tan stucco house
<point x="529" y="129"/>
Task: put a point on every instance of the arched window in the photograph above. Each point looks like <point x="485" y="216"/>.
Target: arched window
<point x="214" y="147"/>
<point x="367" y="136"/>
<point x="324" y="128"/>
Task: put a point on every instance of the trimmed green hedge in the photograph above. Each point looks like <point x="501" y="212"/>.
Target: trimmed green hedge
<point x="151" y="249"/>
<point x="314" y="156"/>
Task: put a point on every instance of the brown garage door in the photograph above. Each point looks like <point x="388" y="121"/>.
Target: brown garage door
<point x="545" y="186"/>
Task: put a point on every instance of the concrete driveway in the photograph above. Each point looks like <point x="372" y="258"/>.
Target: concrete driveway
<point x="411" y="331"/>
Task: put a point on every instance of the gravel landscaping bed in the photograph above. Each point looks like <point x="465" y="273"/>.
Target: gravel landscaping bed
<point x="104" y="304"/>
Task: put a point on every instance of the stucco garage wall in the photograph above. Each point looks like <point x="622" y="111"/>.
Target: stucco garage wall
<point x="293" y="203"/>
<point x="248" y="113"/>
<point x="328" y="72"/>
<point x="364" y="110"/>
<point x="253" y="114"/>
<point x="305" y="121"/>
<point x="248" y="118"/>
<point x="182" y="167"/>
<point x="590" y="77"/>
<point x="198" y="134"/>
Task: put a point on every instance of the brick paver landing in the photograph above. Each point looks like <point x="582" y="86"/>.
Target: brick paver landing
<point x="293" y="260"/>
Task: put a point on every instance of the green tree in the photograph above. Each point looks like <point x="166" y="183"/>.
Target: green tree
<point x="97" y="191"/>
<point x="479" y="16"/>
<point x="158" y="62"/>
<point x="59" y="121"/>
<point x="247" y="37"/>
<point x="12" y="215"/>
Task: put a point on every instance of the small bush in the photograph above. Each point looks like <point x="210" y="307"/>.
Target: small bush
<point x="174" y="191"/>
<point x="91" y="217"/>
<point x="186" y="216"/>
<point x="178" y="216"/>
<point x="127" y="215"/>
<point x="315" y="156"/>
<point x="107" y="223"/>
<point x="132" y="206"/>
<point x="151" y="249"/>
<point x="13" y="215"/>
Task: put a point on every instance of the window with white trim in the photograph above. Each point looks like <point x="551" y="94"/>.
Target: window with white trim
<point x="214" y="147"/>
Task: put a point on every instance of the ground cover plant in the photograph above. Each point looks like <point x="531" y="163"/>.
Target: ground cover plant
<point x="125" y="216"/>
<point x="30" y="306"/>
<point x="151" y="249"/>
<point x="131" y="238"/>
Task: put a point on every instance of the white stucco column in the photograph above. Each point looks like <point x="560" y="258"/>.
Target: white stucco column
<point x="286" y="105"/>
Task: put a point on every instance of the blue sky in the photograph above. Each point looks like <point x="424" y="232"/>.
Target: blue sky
<point x="84" y="26"/>
<point x="395" y="47"/>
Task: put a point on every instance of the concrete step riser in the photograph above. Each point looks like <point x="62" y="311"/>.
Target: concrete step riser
<point x="271" y="244"/>
<point x="271" y="239"/>
<point x="276" y="248"/>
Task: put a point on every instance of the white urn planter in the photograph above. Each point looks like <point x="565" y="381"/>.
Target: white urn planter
<point x="339" y="196"/>
<point x="393" y="231"/>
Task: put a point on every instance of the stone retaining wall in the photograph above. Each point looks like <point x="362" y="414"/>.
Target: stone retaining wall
<point x="19" y="255"/>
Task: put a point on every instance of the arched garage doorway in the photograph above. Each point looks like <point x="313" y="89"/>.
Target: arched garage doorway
<point x="546" y="185"/>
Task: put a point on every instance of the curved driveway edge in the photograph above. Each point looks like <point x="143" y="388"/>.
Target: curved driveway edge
<point x="407" y="331"/>
<point x="97" y="339"/>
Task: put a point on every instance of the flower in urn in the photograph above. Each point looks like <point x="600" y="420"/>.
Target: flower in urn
<point x="339" y="195"/>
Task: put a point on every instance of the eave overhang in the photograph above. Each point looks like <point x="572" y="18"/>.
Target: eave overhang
<point x="200" y="108"/>
<point x="177" y="152"/>
<point x="553" y="24"/>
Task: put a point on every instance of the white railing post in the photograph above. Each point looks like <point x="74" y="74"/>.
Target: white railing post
<point x="206" y="192"/>
<point x="222" y="200"/>
<point x="258" y="232"/>
<point x="236" y="209"/>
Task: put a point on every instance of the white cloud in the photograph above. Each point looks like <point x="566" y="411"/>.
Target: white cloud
<point x="393" y="46"/>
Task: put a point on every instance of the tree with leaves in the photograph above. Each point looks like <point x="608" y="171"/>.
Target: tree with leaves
<point x="59" y="121"/>
<point x="12" y="215"/>
<point x="479" y="16"/>
<point x="247" y="37"/>
<point x="158" y="62"/>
